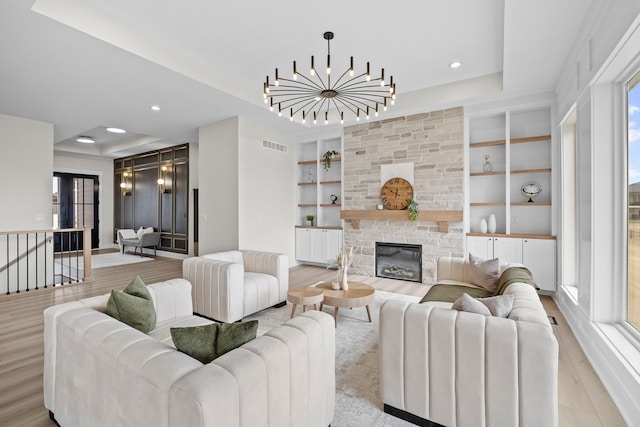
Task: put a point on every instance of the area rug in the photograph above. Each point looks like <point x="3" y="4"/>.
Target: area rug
<point x="72" y="268"/>
<point x="357" y="373"/>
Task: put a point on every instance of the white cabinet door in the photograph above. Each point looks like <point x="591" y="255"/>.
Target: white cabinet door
<point x="507" y="249"/>
<point x="539" y="256"/>
<point x="480" y="246"/>
<point x="302" y="244"/>
<point x="332" y="244"/>
<point x="316" y="245"/>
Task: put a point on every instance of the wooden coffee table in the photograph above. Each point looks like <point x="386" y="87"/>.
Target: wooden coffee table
<point x="304" y="296"/>
<point x="357" y="295"/>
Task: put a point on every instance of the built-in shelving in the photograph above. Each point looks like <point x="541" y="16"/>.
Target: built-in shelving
<point x="518" y="145"/>
<point x="316" y="185"/>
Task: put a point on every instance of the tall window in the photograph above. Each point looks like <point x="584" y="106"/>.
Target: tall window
<point x="633" y="202"/>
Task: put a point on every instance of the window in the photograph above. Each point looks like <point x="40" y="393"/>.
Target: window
<point x="569" y="234"/>
<point x="633" y="202"/>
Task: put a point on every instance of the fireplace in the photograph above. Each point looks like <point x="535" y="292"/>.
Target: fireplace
<point x="399" y="261"/>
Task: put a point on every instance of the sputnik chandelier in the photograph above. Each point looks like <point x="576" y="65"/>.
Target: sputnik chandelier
<point x="321" y="98"/>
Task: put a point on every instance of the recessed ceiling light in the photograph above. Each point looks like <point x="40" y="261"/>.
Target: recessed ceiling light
<point x="116" y="130"/>
<point x="155" y="108"/>
<point x="455" y="64"/>
<point x="85" y="139"/>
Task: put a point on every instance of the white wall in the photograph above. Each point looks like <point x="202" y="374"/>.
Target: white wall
<point x="593" y="81"/>
<point x="26" y="169"/>
<point x="266" y="220"/>
<point x="103" y="168"/>
<point x="218" y="183"/>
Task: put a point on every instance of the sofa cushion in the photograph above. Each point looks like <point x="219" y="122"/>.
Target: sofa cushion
<point x="127" y="233"/>
<point x="133" y="306"/>
<point x="208" y="342"/>
<point x="484" y="273"/>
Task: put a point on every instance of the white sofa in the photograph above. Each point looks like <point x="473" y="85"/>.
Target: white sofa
<point x="228" y="286"/>
<point x="462" y="369"/>
<point x="101" y="372"/>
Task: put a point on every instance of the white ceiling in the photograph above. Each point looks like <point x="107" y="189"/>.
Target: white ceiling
<point x="88" y="64"/>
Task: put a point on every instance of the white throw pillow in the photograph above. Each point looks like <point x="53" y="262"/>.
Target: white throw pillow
<point x="470" y="304"/>
<point x="484" y="273"/>
<point x="127" y="233"/>
<point x="500" y="305"/>
<point x="139" y="233"/>
<point x="148" y="230"/>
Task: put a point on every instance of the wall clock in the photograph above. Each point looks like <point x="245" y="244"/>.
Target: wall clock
<point x="396" y="193"/>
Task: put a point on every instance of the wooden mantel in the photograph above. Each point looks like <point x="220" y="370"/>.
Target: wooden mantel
<point x="443" y="218"/>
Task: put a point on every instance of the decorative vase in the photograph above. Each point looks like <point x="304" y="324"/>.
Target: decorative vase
<point x="487" y="166"/>
<point x="483" y="225"/>
<point x="491" y="225"/>
<point x="344" y="285"/>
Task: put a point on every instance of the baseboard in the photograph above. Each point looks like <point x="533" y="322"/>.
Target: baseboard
<point x="280" y="304"/>
<point x="407" y="416"/>
<point x="619" y="378"/>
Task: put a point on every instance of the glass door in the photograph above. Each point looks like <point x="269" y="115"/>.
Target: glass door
<point x="75" y="204"/>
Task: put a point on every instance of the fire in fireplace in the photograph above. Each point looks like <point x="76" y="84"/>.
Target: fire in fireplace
<point x="399" y="261"/>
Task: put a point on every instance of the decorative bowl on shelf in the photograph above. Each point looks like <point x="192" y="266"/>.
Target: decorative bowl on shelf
<point x="531" y="189"/>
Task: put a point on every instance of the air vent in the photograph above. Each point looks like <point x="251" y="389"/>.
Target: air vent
<point x="274" y="146"/>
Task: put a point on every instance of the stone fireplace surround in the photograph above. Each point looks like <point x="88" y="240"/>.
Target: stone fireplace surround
<point x="433" y="142"/>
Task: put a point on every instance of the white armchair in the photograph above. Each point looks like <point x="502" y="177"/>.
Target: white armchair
<point x="228" y="286"/>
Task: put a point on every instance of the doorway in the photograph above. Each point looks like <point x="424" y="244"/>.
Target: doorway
<point x="75" y="204"/>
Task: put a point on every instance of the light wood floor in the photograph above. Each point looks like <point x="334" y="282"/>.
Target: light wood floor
<point x="583" y="401"/>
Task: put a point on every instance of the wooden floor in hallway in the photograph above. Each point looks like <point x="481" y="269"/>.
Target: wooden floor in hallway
<point x="583" y="400"/>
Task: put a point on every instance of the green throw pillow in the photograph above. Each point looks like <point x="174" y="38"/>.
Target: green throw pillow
<point x="133" y="306"/>
<point x="208" y="342"/>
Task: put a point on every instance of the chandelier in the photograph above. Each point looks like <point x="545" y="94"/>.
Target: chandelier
<point x="318" y="97"/>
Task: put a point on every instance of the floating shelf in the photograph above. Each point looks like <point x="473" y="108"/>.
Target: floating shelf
<point x="307" y="205"/>
<point x="540" y="138"/>
<point x="330" y="182"/>
<point x="487" y="173"/>
<point x="307" y="183"/>
<point x="307" y="162"/>
<point x="514" y="235"/>
<point x="489" y="204"/>
<point x="442" y="217"/>
<point x="330" y="205"/>
<point x="531" y="204"/>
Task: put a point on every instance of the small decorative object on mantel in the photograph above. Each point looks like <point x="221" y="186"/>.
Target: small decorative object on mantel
<point x="483" y="225"/>
<point x="414" y="210"/>
<point x="396" y="193"/>
<point x="326" y="158"/>
<point x="334" y="199"/>
<point x="491" y="224"/>
<point x="487" y="166"/>
<point x="531" y="189"/>
<point x="309" y="219"/>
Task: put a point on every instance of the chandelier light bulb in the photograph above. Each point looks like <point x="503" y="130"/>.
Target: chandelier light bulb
<point x="381" y="77"/>
<point x="315" y="118"/>
<point x="313" y="68"/>
<point x="358" y="116"/>
<point x="326" y="117"/>
<point x="351" y="67"/>
<point x="341" y="117"/>
<point x="328" y="64"/>
<point x="295" y="71"/>
<point x="277" y="80"/>
<point x="291" y="116"/>
<point x="368" y="73"/>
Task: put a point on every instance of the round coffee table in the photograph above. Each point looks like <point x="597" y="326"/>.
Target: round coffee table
<point x="304" y="296"/>
<point x="357" y="295"/>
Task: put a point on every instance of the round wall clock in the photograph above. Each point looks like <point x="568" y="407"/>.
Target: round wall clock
<point x="396" y="193"/>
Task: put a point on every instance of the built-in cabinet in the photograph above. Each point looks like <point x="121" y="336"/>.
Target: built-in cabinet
<point x="317" y="245"/>
<point x="506" y="151"/>
<point x="537" y="254"/>
<point x="319" y="193"/>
